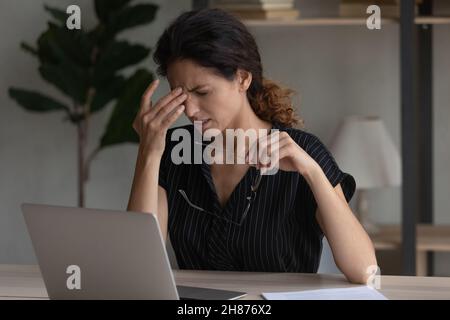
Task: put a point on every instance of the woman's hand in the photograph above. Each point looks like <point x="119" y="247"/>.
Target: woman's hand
<point x="286" y="154"/>
<point x="152" y="121"/>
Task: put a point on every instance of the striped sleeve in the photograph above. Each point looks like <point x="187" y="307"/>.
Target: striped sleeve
<point x="319" y="152"/>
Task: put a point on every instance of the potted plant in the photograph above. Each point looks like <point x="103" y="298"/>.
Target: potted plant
<point x="87" y="67"/>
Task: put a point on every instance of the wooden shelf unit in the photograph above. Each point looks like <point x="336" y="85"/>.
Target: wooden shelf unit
<point x="339" y="21"/>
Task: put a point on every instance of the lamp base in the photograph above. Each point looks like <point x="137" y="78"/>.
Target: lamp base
<point x="362" y="210"/>
<point x="370" y="227"/>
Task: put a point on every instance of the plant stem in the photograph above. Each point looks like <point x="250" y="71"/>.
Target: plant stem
<point x="82" y="127"/>
<point x="82" y="132"/>
<point x="88" y="162"/>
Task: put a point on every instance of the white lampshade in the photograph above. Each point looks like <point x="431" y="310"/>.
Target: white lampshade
<point x="363" y="148"/>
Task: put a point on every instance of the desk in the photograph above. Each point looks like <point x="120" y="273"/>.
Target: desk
<point x="430" y="238"/>
<point x="25" y="282"/>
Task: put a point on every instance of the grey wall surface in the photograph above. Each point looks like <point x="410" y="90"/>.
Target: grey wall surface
<point x="337" y="71"/>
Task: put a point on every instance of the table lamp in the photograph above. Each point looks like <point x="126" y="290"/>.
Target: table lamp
<point x="363" y="148"/>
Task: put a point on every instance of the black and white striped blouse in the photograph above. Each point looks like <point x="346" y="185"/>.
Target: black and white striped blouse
<point x="279" y="233"/>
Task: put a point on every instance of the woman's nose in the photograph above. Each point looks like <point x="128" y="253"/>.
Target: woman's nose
<point x="191" y="107"/>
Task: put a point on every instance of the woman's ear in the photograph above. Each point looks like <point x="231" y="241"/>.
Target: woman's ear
<point x="244" y="79"/>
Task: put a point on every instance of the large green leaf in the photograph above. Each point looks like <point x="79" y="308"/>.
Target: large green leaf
<point x="45" y="51"/>
<point x="35" y="101"/>
<point x="104" y="8"/>
<point x="72" y="83"/>
<point x="106" y="92"/>
<point x="129" y="17"/>
<point x="28" y="48"/>
<point x="75" y="44"/>
<point x="118" y="55"/>
<point x="67" y="76"/>
<point x="59" y="15"/>
<point x="119" y="128"/>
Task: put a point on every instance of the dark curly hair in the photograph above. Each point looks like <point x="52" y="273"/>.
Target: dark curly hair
<point x="216" y="39"/>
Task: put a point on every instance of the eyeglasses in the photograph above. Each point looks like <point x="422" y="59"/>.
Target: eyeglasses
<point x="250" y="199"/>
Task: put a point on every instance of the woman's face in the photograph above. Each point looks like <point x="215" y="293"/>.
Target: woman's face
<point x="211" y="99"/>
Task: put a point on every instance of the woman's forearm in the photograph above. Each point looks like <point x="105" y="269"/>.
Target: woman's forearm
<point x="144" y="191"/>
<point x="351" y="246"/>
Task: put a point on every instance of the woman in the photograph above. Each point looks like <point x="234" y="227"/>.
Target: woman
<point x="226" y="216"/>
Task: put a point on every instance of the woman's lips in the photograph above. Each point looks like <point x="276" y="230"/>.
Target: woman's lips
<point x="205" y="124"/>
<point x="201" y="124"/>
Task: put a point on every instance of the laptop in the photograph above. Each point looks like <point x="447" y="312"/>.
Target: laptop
<point x="105" y="254"/>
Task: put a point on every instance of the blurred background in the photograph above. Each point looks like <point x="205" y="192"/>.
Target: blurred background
<point x="338" y="67"/>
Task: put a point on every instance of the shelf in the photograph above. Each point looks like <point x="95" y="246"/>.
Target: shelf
<point x="432" y="20"/>
<point x="338" y="21"/>
<point x="430" y="237"/>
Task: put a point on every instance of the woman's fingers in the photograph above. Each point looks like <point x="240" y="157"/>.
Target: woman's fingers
<point x="273" y="155"/>
<point x="277" y="153"/>
<point x="281" y="152"/>
<point x="167" y="99"/>
<point x="258" y="151"/>
<point x="269" y="154"/>
<point x="150" y="115"/>
<point x="267" y="146"/>
<point x="253" y="152"/>
<point x="153" y="120"/>
<point x="172" y="117"/>
<point x="147" y="96"/>
<point x="145" y="105"/>
<point x="169" y="107"/>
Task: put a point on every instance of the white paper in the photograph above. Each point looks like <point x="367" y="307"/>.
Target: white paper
<point x="353" y="293"/>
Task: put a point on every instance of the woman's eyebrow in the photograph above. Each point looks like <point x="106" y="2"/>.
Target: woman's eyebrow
<point x="193" y="89"/>
<point x="197" y="87"/>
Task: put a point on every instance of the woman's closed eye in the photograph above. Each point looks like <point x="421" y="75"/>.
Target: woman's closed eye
<point x="201" y="93"/>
